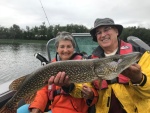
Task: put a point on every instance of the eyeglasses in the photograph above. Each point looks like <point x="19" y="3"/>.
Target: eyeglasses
<point x="105" y="30"/>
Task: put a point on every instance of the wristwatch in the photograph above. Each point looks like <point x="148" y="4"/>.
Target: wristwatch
<point x="142" y="83"/>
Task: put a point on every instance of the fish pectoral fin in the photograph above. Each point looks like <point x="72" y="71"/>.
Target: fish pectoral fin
<point x="30" y="98"/>
<point x="97" y="84"/>
<point x="100" y="83"/>
<point x="17" y="83"/>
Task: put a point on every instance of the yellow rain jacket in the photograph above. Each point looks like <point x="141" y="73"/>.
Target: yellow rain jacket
<point x="134" y="99"/>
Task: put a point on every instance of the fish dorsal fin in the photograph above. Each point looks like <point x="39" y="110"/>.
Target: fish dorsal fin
<point x="17" y="83"/>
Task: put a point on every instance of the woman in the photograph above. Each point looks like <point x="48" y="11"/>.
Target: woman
<point x="59" y="100"/>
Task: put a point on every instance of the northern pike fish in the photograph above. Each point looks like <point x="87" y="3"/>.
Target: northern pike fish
<point x="79" y="71"/>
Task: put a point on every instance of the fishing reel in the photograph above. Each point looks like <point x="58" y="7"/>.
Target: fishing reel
<point x="43" y="60"/>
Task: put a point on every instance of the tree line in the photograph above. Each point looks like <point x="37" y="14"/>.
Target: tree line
<point x="45" y="33"/>
<point x="39" y="32"/>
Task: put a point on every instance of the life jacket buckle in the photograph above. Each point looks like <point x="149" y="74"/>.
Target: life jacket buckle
<point x="115" y="80"/>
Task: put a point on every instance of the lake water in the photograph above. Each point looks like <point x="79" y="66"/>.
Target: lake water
<point x="17" y="60"/>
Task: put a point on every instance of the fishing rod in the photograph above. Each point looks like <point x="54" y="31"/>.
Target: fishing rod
<point x="44" y="12"/>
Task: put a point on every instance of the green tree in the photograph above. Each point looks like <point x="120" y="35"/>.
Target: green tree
<point x="15" y="32"/>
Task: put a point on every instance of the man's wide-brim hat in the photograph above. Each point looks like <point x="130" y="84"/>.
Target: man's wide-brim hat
<point x="104" y="22"/>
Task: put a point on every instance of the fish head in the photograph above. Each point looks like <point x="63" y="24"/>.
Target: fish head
<point x="110" y="67"/>
<point x="107" y="66"/>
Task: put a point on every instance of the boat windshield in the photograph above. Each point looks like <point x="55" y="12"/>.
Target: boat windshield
<point x="84" y="44"/>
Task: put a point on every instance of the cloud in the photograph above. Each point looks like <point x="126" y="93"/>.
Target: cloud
<point x="30" y="13"/>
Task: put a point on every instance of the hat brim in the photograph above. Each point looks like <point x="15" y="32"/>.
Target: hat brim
<point x="93" y="31"/>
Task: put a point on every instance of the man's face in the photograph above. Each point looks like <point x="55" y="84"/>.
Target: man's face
<point x="107" y="36"/>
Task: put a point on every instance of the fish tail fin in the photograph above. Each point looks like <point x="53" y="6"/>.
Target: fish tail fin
<point x="5" y="109"/>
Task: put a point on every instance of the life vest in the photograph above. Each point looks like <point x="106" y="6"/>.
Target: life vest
<point x="125" y="48"/>
<point x="54" y="90"/>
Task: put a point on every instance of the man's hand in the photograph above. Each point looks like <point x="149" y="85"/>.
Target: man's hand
<point x="61" y="79"/>
<point x="134" y="73"/>
<point x="87" y="93"/>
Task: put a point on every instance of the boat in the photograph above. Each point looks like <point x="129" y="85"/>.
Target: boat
<point x="84" y="44"/>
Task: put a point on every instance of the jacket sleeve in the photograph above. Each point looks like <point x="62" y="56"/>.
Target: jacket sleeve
<point x="41" y="99"/>
<point x="143" y="90"/>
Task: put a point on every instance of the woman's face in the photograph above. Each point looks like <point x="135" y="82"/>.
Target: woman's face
<point x="65" y="49"/>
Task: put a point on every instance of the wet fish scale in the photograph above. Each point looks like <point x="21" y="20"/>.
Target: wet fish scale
<point x="78" y="71"/>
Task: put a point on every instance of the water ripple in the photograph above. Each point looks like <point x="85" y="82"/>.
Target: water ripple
<point x="18" y="60"/>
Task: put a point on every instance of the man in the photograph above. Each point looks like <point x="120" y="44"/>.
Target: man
<point x="130" y="91"/>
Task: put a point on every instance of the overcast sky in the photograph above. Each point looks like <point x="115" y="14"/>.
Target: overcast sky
<point x="82" y="12"/>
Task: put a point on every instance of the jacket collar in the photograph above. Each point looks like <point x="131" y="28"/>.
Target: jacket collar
<point x="99" y="52"/>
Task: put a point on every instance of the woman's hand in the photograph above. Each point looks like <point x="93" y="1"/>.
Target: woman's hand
<point x="61" y="79"/>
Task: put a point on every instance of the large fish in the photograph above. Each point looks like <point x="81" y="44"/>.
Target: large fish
<point x="78" y="71"/>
